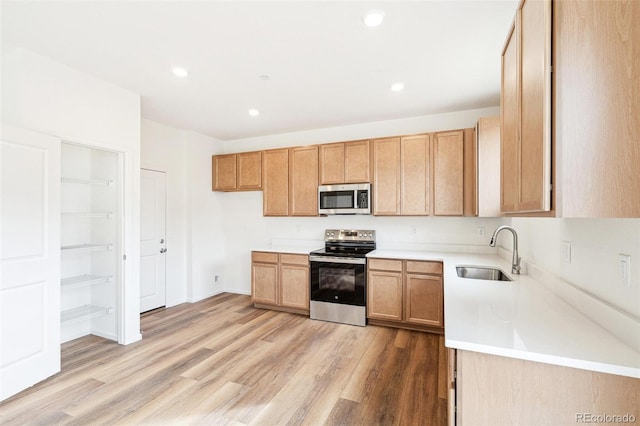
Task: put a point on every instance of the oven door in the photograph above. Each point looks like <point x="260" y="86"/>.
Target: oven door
<point x="338" y="280"/>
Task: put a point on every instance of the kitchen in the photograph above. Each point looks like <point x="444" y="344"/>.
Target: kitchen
<point x="212" y="234"/>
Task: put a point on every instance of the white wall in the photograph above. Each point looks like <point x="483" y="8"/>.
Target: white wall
<point x="403" y="126"/>
<point x="163" y="148"/>
<point x="195" y="242"/>
<point x="48" y="97"/>
<point x="595" y="245"/>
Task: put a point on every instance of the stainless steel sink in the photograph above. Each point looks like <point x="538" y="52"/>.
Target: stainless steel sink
<point x="482" y="273"/>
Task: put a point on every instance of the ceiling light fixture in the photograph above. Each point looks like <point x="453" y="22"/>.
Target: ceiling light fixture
<point x="180" y="72"/>
<point x="254" y="112"/>
<point x="373" y="18"/>
<point x="264" y="77"/>
<point x="397" y="87"/>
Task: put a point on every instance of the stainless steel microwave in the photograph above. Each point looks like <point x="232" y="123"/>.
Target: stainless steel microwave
<point x="344" y="199"/>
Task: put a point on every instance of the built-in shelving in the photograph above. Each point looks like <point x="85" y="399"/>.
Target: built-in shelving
<point x="105" y="215"/>
<point x="101" y="182"/>
<point x="85" y="280"/>
<point x="83" y="313"/>
<point x="87" y="247"/>
<point x="91" y="233"/>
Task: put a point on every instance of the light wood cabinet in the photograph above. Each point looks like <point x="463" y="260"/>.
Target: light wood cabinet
<point x="386" y="176"/>
<point x="237" y="172"/>
<point x="427" y="174"/>
<point x="224" y="172"/>
<point x="488" y="166"/>
<point x="249" y="170"/>
<point x="495" y="390"/>
<point x="280" y="281"/>
<point x="448" y="173"/>
<point x="596" y="69"/>
<point x="415" y="175"/>
<point x="303" y="181"/>
<point x="526" y="111"/>
<point x="264" y="277"/>
<point x="275" y="182"/>
<point x="405" y="293"/>
<point x="344" y="162"/>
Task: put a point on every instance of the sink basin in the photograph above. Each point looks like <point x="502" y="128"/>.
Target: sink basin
<point x="482" y="273"/>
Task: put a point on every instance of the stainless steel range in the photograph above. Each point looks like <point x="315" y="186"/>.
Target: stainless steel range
<point x="339" y="276"/>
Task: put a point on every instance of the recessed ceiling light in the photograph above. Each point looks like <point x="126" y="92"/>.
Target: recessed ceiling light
<point x="180" y="72"/>
<point x="397" y="87"/>
<point x="264" y="77"/>
<point x="373" y="18"/>
<point x="254" y="112"/>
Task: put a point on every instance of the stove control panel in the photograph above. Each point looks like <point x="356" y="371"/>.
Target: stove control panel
<point x="349" y="235"/>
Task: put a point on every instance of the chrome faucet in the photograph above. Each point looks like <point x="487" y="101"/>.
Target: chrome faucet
<point x="515" y="262"/>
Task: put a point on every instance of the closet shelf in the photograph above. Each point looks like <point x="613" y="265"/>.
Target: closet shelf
<point x="88" y="247"/>
<point x="107" y="215"/>
<point x="101" y="182"/>
<point x="84" y="313"/>
<point x="84" y="280"/>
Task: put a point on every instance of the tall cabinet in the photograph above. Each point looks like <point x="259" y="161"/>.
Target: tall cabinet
<point x="91" y="241"/>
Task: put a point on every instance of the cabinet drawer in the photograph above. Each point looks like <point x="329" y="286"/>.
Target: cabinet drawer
<point x="422" y="267"/>
<point x="385" y="264"/>
<point x="264" y="257"/>
<point x="294" y="259"/>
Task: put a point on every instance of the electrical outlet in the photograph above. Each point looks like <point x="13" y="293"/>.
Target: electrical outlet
<point x="624" y="269"/>
<point x="566" y="251"/>
<point x="480" y="232"/>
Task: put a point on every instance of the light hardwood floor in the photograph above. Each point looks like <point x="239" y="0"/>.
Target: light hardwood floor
<point x="221" y="361"/>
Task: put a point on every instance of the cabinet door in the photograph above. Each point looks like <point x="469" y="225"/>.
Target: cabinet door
<point x="264" y="283"/>
<point x="488" y="166"/>
<point x="448" y="173"/>
<point x="424" y="300"/>
<point x="386" y="176"/>
<point x="535" y="106"/>
<point x="415" y="173"/>
<point x="510" y="106"/>
<point x="275" y="181"/>
<point x="331" y="163"/>
<point x="294" y="286"/>
<point x="250" y="170"/>
<point x="384" y="295"/>
<point x="224" y="172"/>
<point x="357" y="162"/>
<point x="303" y="181"/>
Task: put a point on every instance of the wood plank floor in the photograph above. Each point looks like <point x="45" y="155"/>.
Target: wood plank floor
<point x="221" y="361"/>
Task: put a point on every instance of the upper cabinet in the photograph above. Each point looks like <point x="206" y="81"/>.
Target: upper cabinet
<point x="596" y="54"/>
<point x="590" y="125"/>
<point x="428" y="174"/>
<point x="303" y="181"/>
<point x="526" y="111"/>
<point x="488" y="166"/>
<point x="275" y="182"/>
<point x="237" y="172"/>
<point x="344" y="162"/>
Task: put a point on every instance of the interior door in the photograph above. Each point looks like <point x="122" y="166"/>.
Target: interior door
<point x="153" y="205"/>
<point x="30" y="259"/>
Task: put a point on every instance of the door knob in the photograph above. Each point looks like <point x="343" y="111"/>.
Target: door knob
<point x="163" y="250"/>
<point x="161" y="240"/>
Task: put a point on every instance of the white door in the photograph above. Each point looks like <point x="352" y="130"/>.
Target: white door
<point x="30" y="259"/>
<point x="153" y="200"/>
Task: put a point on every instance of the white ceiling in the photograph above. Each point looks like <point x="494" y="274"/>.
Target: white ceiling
<point x="326" y="68"/>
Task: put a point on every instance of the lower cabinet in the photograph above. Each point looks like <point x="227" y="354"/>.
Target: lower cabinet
<point x="405" y="293"/>
<point x="496" y="390"/>
<point x="280" y="281"/>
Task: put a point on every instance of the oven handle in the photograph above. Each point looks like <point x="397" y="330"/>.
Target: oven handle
<point x="328" y="259"/>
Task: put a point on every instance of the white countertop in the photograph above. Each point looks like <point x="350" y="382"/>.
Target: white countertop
<point x="288" y="249"/>
<point x="520" y="319"/>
